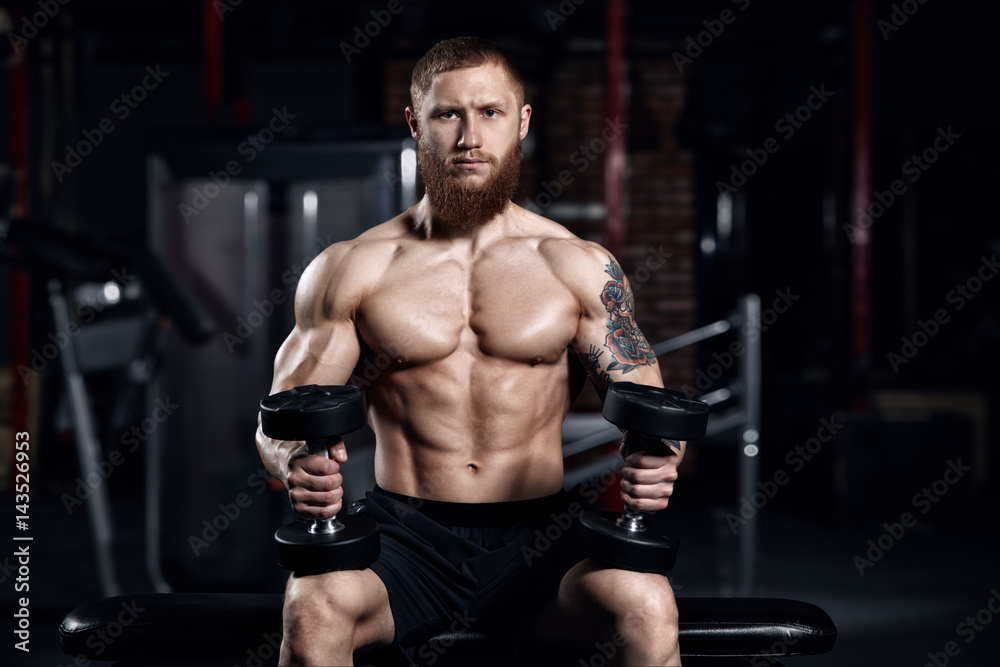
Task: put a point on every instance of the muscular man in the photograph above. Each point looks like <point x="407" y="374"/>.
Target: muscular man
<point x="477" y="302"/>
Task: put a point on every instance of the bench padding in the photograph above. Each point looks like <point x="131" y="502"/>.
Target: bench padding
<point x="205" y="626"/>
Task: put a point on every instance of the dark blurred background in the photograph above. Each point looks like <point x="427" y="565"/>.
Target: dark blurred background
<point x="168" y="169"/>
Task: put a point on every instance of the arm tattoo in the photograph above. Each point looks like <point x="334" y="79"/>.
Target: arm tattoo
<point x="628" y="346"/>
<point x="598" y="376"/>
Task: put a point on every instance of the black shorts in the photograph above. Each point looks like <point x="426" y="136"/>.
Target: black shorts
<point x="462" y="566"/>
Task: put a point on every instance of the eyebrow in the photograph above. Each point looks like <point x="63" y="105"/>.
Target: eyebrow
<point x="489" y="104"/>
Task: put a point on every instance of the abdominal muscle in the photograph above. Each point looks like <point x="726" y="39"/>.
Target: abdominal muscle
<point x="454" y="431"/>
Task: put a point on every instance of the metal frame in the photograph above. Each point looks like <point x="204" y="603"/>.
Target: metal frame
<point x="88" y="448"/>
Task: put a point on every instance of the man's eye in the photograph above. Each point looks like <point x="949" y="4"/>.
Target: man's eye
<point x="448" y="114"/>
<point x="491" y="113"/>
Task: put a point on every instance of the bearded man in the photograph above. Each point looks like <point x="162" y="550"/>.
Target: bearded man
<point x="478" y="302"/>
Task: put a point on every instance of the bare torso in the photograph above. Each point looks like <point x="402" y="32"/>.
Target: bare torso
<point x="460" y="342"/>
<point x="472" y="341"/>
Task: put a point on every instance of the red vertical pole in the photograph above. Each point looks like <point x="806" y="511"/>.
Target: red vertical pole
<point x="861" y="251"/>
<point x="20" y="321"/>
<point x="614" y="159"/>
<point x="212" y="39"/>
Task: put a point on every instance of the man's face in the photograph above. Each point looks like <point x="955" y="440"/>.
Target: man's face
<point x="469" y="131"/>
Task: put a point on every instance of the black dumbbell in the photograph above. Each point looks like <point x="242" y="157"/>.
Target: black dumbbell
<point x="318" y="414"/>
<point x="650" y="415"/>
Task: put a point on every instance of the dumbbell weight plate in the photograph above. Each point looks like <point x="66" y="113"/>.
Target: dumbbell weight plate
<point x="662" y="412"/>
<point x="312" y="412"/>
<point x="651" y="550"/>
<point x="354" y="547"/>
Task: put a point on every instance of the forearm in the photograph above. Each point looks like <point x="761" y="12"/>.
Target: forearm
<point x="275" y="454"/>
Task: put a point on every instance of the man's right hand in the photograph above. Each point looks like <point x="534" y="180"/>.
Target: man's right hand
<point x="315" y="485"/>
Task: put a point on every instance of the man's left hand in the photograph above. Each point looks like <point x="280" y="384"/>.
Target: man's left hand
<point x="648" y="479"/>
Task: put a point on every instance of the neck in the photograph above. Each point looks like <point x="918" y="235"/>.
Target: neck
<point x="427" y="224"/>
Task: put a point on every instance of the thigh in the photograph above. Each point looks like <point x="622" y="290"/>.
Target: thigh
<point x="323" y="603"/>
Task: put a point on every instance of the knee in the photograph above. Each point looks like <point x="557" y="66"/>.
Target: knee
<point x="646" y="604"/>
<point x="644" y="614"/>
<point x="311" y="612"/>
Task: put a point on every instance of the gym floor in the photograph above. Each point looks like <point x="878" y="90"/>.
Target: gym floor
<point x="908" y="604"/>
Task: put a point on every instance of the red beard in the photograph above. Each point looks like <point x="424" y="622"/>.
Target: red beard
<point x="458" y="202"/>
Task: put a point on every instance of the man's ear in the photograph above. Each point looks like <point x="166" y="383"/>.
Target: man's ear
<point x="411" y="120"/>
<point x="525" y="120"/>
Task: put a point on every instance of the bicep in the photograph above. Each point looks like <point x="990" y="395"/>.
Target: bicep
<point x="323" y="348"/>
<point x="324" y="355"/>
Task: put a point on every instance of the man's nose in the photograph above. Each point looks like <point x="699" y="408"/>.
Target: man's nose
<point x="471" y="136"/>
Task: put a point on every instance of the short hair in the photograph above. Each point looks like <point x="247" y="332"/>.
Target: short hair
<point x="459" y="53"/>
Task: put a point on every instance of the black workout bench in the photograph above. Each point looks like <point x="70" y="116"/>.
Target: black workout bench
<point x="216" y="629"/>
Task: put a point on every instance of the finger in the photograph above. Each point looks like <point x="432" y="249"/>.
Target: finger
<point x="662" y="490"/>
<point x="309" y="498"/>
<point x="316" y="511"/>
<point x="338" y="452"/>
<point x="649" y="475"/>
<point x="318" y="465"/>
<point x="302" y="479"/>
<point x="641" y="460"/>
<point x="645" y="504"/>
